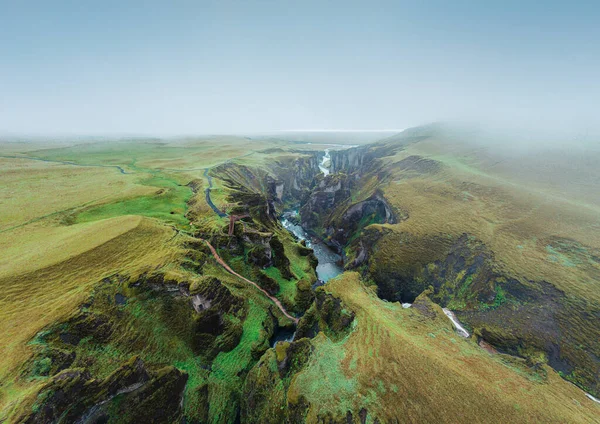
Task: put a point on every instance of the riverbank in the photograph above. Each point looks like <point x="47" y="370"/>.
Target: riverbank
<point x="330" y="263"/>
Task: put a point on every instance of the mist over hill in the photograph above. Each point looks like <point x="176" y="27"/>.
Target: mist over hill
<point x="299" y="212"/>
<point x="298" y="277"/>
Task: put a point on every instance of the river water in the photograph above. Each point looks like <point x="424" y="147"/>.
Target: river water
<point x="457" y="325"/>
<point x="330" y="263"/>
<point x="325" y="163"/>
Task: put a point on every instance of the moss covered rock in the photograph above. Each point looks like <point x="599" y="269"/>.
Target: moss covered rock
<point x="132" y="393"/>
<point x="326" y="314"/>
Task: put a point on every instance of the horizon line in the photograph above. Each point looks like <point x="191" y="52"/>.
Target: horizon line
<point x="345" y="130"/>
<point x="25" y="134"/>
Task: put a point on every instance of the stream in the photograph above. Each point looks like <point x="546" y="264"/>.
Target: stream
<point x="330" y="263"/>
<point x="207" y="195"/>
<point x="459" y="328"/>
<point x="325" y="163"/>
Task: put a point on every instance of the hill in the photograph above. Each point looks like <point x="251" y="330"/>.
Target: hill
<point x="116" y="306"/>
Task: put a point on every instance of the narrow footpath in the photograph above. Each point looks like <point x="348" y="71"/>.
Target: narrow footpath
<point x="231" y="271"/>
<point x="224" y="264"/>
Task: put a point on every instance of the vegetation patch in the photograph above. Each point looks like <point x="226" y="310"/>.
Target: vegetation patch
<point x="168" y="204"/>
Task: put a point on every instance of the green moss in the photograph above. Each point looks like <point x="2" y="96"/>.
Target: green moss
<point x="42" y="367"/>
<point x="287" y="288"/>
<point x="499" y="299"/>
<point x="324" y="379"/>
<point x="304" y="295"/>
<point x="225" y="380"/>
<point x="264" y="392"/>
<point x="266" y="282"/>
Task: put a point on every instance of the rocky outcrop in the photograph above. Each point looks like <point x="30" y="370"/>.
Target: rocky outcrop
<point x="531" y="319"/>
<point x="350" y="160"/>
<point x="330" y="192"/>
<point x="327" y="314"/>
<point x="214" y="328"/>
<point x="281" y="261"/>
<point x="264" y="397"/>
<point x="47" y="361"/>
<point x="133" y="393"/>
<point x="348" y="223"/>
<point x="298" y="183"/>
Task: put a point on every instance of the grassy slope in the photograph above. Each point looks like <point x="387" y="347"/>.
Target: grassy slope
<point x="517" y="218"/>
<point x="535" y="231"/>
<point x="399" y="365"/>
<point x="45" y="291"/>
<point x="48" y="268"/>
<point x="168" y="203"/>
<point x="61" y="264"/>
<point x="30" y="189"/>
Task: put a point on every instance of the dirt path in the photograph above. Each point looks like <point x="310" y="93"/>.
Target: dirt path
<point x="231" y="271"/>
<point x="222" y="262"/>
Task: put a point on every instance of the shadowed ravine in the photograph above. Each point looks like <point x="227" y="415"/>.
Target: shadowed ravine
<point x="328" y="261"/>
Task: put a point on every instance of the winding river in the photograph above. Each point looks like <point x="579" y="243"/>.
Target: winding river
<point x="325" y="163"/>
<point x="207" y="195"/>
<point x="330" y="263"/>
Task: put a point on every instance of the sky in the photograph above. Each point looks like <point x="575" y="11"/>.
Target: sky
<point x="178" y="67"/>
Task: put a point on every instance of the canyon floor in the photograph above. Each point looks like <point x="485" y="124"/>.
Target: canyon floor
<point x="151" y="280"/>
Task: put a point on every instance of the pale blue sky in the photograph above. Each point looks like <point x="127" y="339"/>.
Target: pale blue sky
<point x="203" y="67"/>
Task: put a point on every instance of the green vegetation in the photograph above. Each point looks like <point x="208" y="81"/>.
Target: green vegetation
<point x="458" y="219"/>
<point x="405" y="364"/>
<point x="114" y="305"/>
<point x="168" y="204"/>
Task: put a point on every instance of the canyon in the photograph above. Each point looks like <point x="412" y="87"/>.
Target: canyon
<point x="371" y="283"/>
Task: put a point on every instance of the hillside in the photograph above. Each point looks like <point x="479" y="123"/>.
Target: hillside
<point x="154" y="280"/>
<point x="395" y="364"/>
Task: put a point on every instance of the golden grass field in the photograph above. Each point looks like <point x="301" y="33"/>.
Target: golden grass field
<point x="31" y="189"/>
<point x="66" y="226"/>
<point x="519" y="218"/>
<point x="61" y="268"/>
<point x="404" y="367"/>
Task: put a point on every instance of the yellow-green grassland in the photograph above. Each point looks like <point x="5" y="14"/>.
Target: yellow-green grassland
<point x="116" y="306"/>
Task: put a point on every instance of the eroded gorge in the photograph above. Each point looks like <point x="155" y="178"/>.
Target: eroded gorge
<point x="227" y="352"/>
